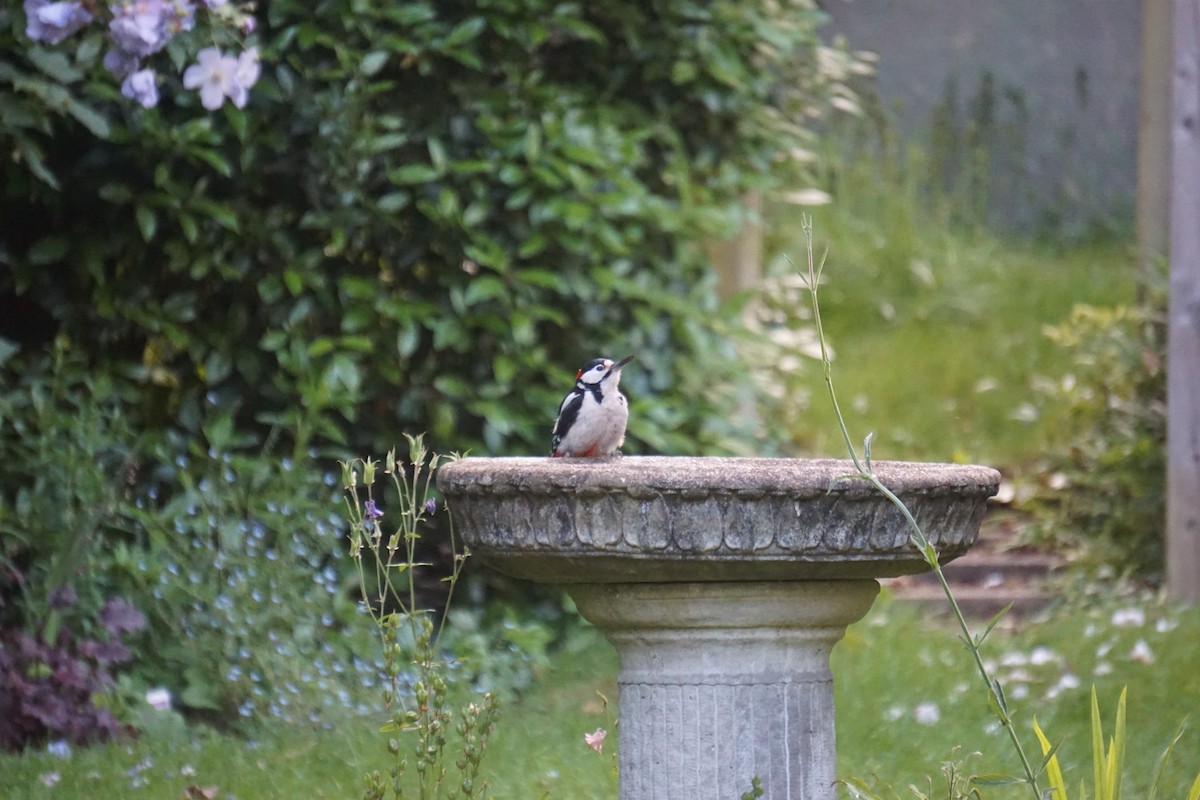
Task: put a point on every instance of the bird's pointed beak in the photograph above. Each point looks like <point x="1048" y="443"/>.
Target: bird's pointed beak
<point x="621" y="363"/>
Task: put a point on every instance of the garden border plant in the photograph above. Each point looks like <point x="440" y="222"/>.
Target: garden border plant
<point x="417" y="676"/>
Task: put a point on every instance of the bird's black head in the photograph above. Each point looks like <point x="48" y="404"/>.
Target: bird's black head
<point x="596" y="370"/>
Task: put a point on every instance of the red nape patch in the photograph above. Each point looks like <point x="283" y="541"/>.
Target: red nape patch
<point x="578" y="372"/>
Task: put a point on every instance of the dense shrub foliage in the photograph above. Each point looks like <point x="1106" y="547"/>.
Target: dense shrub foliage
<point x="1108" y="475"/>
<point x="426" y="217"/>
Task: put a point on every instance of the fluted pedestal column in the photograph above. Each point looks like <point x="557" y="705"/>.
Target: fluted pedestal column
<point x="721" y="682"/>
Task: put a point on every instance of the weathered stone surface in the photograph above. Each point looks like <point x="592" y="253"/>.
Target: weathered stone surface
<point x="724" y="681"/>
<point x="723" y="583"/>
<point x="634" y="519"/>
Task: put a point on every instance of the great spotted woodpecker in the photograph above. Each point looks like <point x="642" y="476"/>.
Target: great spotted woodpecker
<point x="591" y="420"/>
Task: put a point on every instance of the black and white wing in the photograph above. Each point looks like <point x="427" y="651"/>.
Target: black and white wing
<point x="567" y="413"/>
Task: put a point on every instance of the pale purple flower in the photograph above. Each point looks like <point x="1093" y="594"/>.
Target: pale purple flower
<point x="139" y="28"/>
<point x="142" y="27"/>
<point x="60" y="748"/>
<point x="141" y="86"/>
<point x="120" y="63"/>
<point x="52" y="22"/>
<point x="431" y="506"/>
<point x="218" y="76"/>
<point x="371" y="511"/>
<point x="248" y="68"/>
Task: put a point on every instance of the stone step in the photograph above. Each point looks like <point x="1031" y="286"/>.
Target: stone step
<point x="995" y="573"/>
<point x="976" y="602"/>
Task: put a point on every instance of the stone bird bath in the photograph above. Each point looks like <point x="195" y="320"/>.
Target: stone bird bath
<point x="723" y="583"/>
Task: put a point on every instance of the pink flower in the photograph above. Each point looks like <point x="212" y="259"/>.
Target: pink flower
<point x="595" y="740"/>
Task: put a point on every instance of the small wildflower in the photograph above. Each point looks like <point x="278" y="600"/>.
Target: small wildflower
<point x="927" y="713"/>
<point x="1067" y="682"/>
<point x="59" y="748"/>
<point x="1142" y="652"/>
<point x="1014" y="658"/>
<point x="1042" y="655"/>
<point x="371" y="511"/>
<point x="1132" y="617"/>
<point x="159" y="699"/>
<point x="50" y="779"/>
<point x="431" y="506"/>
<point x="595" y="739"/>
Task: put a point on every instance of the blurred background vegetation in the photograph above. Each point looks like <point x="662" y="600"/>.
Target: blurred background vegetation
<point x="428" y="215"/>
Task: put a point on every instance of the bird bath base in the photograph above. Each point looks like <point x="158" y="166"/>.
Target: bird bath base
<point x="724" y="584"/>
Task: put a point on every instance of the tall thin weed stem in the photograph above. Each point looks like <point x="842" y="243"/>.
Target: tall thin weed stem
<point x="863" y="470"/>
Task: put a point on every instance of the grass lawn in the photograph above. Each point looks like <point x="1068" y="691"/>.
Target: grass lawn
<point x="906" y="698"/>
<point x="937" y="331"/>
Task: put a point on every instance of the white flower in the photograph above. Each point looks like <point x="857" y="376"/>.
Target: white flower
<point x="1042" y="655"/>
<point x="1014" y="658"/>
<point x="50" y="779"/>
<point x="1129" y="617"/>
<point x="1103" y="668"/>
<point x="159" y="699"/>
<point x="1142" y="652"/>
<point x="927" y="713"/>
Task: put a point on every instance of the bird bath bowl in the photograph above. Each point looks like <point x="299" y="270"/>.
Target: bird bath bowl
<point x="723" y="583"/>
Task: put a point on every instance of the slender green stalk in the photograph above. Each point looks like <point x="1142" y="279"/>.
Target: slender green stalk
<point x="864" y="470"/>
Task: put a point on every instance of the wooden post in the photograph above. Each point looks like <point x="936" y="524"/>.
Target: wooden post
<point x="1154" y="136"/>
<point x="1183" y="346"/>
<point x="738" y="259"/>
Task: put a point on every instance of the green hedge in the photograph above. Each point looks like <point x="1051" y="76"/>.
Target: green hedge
<point x="429" y="214"/>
